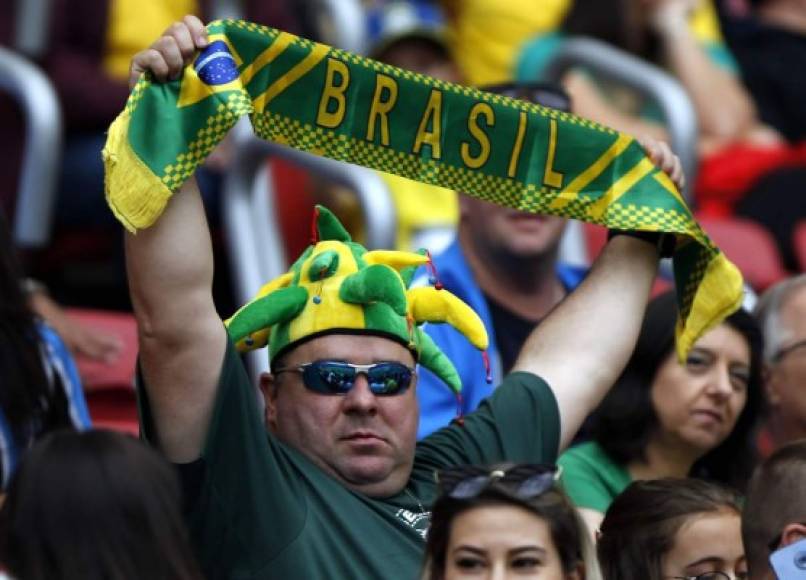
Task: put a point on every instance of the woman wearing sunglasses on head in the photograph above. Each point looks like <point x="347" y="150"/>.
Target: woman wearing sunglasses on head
<point x="667" y="419"/>
<point x="673" y="529"/>
<point x="506" y="522"/>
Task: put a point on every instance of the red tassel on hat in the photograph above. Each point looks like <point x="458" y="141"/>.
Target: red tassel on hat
<point x="314" y="228"/>
<point x="460" y="415"/>
<point x="487" y="369"/>
<point x="433" y="278"/>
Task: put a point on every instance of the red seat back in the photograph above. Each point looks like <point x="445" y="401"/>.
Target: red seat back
<point x="748" y="245"/>
<point x="109" y="388"/>
<point x="294" y="203"/>
<point x="595" y="239"/>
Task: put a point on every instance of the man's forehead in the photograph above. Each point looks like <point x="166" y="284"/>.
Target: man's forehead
<point x="354" y="348"/>
<point x="797" y="300"/>
<point x="793" y="311"/>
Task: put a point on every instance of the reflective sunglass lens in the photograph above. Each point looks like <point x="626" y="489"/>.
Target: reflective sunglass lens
<point x="469" y="487"/>
<point x="329" y="378"/>
<point x="389" y="379"/>
<point x="536" y="484"/>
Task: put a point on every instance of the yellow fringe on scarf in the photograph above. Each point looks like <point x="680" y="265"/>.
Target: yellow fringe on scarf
<point x="722" y="280"/>
<point x="136" y="196"/>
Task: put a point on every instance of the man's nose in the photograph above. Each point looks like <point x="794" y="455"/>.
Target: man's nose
<point x="360" y="399"/>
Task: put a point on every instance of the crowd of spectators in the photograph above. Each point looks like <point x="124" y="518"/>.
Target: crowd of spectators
<point x="587" y="450"/>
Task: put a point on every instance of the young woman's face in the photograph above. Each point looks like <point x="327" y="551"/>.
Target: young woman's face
<point x="699" y="402"/>
<point x="707" y="542"/>
<point x="500" y="542"/>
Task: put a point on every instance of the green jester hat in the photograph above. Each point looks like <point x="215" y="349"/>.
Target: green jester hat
<point x="336" y="285"/>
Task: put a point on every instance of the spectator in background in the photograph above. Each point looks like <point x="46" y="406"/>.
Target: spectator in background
<point x="92" y="43"/>
<point x="94" y="506"/>
<point x="486" y="35"/>
<point x="411" y="34"/>
<point x="775" y="509"/>
<point x="673" y="528"/>
<point x="666" y="419"/>
<point x="781" y="314"/>
<point x="79" y="338"/>
<point x="40" y="388"/>
<point x="768" y="38"/>
<point x="659" y="32"/>
<point x="506" y="522"/>
<point x="736" y="148"/>
<point x="504" y="263"/>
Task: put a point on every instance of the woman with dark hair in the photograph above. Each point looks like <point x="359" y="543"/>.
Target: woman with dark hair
<point x="685" y="529"/>
<point x="503" y="522"/>
<point x="40" y="390"/>
<point x="93" y="506"/>
<point x="667" y="419"/>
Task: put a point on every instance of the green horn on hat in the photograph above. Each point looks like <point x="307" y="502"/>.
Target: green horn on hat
<point x="248" y="328"/>
<point x="376" y="283"/>
<point x="435" y="360"/>
<point x="329" y="226"/>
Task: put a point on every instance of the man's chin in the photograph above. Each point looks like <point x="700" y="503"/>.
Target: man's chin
<point x="371" y="476"/>
<point x="366" y="470"/>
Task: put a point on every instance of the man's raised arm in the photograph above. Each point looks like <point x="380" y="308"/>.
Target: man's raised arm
<point x="170" y="271"/>
<point x="581" y="348"/>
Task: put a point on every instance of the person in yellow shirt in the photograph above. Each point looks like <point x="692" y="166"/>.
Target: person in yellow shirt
<point x="486" y="36"/>
<point x="87" y="58"/>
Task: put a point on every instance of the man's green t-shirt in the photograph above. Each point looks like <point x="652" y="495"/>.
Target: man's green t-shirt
<point x="259" y="509"/>
<point x="591" y="478"/>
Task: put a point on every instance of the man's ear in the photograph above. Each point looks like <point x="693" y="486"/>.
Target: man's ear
<point x="268" y="387"/>
<point x="793" y="533"/>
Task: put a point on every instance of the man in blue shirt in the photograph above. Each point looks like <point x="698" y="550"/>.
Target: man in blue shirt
<point x="504" y="264"/>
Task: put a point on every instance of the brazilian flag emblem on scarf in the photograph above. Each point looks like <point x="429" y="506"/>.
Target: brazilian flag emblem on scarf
<point x="340" y="105"/>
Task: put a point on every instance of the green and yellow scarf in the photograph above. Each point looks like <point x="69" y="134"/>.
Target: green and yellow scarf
<point x="340" y="105"/>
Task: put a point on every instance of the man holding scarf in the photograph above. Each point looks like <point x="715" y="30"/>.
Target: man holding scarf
<point x="330" y="482"/>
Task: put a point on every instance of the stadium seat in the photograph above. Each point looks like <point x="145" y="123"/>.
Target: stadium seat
<point x="595" y="239"/>
<point x="109" y="388"/>
<point x="749" y="246"/>
<point x="294" y="203"/>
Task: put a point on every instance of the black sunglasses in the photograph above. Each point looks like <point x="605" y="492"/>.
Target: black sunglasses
<point x="545" y="94"/>
<point x="329" y="377"/>
<point x="524" y="481"/>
